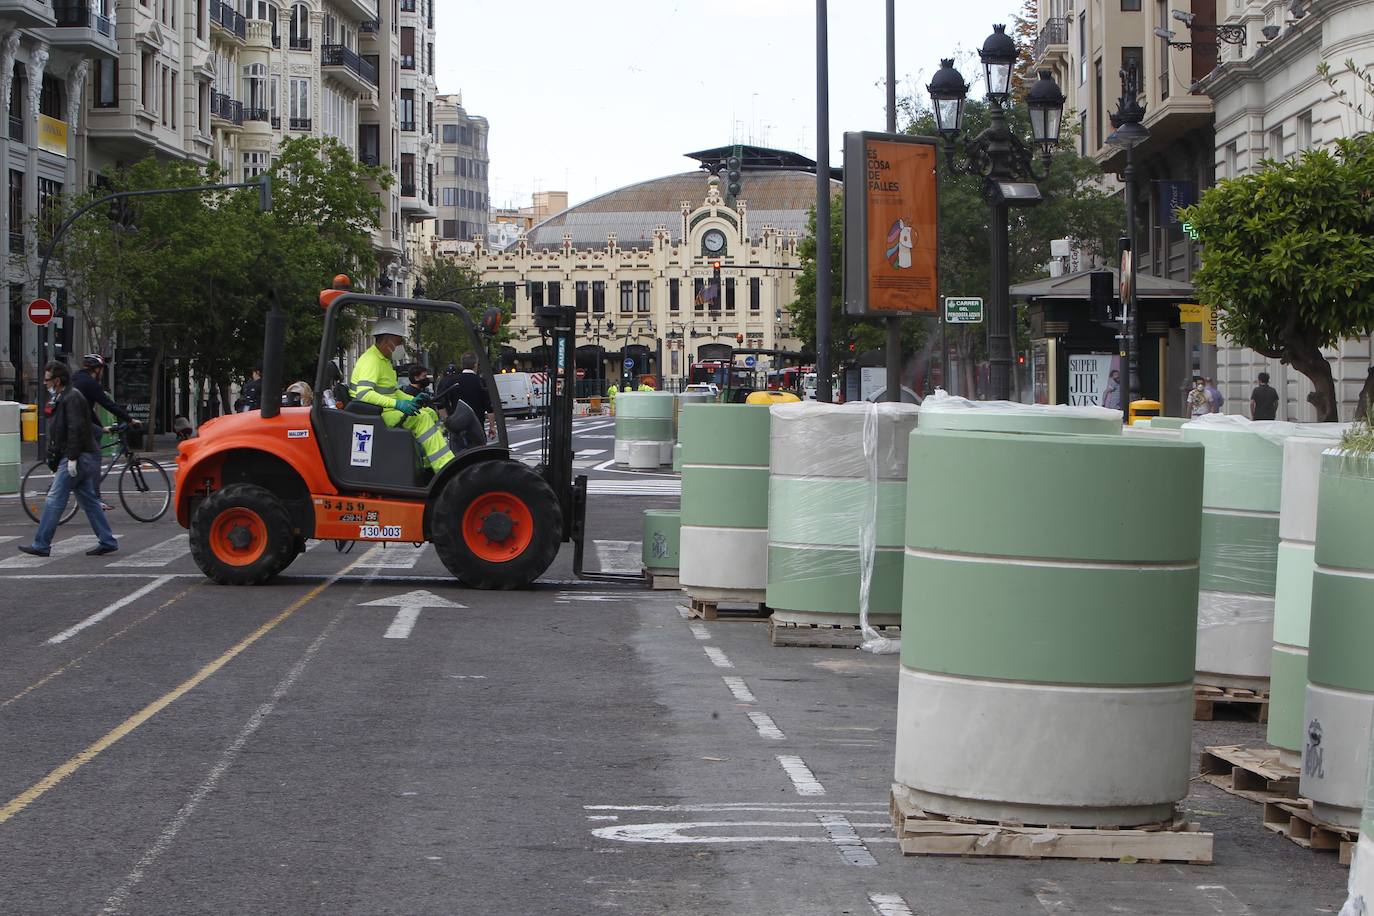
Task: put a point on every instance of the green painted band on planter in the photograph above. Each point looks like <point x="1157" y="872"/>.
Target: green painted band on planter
<point x="1244" y="469"/>
<point x="1342" y="631"/>
<point x="1055" y="496"/>
<point x="9" y="478"/>
<point x="826" y="511"/>
<point x="657" y="429"/>
<point x="1293" y="593"/>
<point x="725" y="434"/>
<point x="649" y="404"/>
<point x="986" y="419"/>
<point x="9" y="447"/>
<point x="662" y="542"/>
<point x="1287" y="696"/>
<point x="1049" y="624"/>
<point x="725" y="497"/>
<point x="1345" y="505"/>
<point x="827" y="581"/>
<point x="1240" y="553"/>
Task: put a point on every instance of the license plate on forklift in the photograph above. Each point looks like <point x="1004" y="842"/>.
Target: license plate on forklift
<point x="379" y="532"/>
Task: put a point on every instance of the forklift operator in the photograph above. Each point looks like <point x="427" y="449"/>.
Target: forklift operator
<point x="374" y="382"/>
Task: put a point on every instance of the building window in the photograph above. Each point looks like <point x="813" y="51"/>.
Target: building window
<point x="598" y="297"/>
<point x="1304" y="139"/>
<point x="1083" y="133"/>
<point x="642" y="296"/>
<point x="408" y="109"/>
<point x="49" y="199"/>
<point x="1133" y="59"/>
<point x="18" y="92"/>
<point x="627" y="297"/>
<point x="729" y="294"/>
<point x="1276" y="143"/>
<point x="450" y="133"/>
<point x="1130" y="6"/>
<point x="450" y="197"/>
<point x="1101" y="106"/>
<point x="370" y="144"/>
<point x="555" y="292"/>
<point x="16" y="212"/>
<point x="254" y="164"/>
<point x="1083" y="47"/>
<point x="755" y="293"/>
<point x="407" y="174"/>
<point x="674" y="285"/>
<point x="1231" y="169"/>
<point x="300" y="27"/>
<point x="450" y="229"/>
<point x="508" y="291"/>
<point x="300" y="103"/>
<point x="536" y="293"/>
<point x="580" y="295"/>
<point x="1162" y="21"/>
<point x="407" y="48"/>
<point x="146" y="94"/>
<point x="50" y="98"/>
<point x="698" y="295"/>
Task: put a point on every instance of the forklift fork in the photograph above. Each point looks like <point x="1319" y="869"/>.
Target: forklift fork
<point x="579" y="534"/>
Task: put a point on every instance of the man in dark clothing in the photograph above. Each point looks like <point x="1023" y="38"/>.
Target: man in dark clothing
<point x="251" y="396"/>
<point x="74" y="455"/>
<point x="446" y="381"/>
<point x="419" y="380"/>
<point x="468" y="388"/>
<point x="1264" y="401"/>
<point x="89" y="380"/>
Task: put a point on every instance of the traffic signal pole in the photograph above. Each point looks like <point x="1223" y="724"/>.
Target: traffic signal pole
<point x="894" y="325"/>
<point x="823" y="267"/>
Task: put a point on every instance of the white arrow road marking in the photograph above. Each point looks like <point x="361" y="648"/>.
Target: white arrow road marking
<point x="409" y="605"/>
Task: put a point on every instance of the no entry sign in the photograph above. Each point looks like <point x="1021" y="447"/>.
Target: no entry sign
<point x="41" y="311"/>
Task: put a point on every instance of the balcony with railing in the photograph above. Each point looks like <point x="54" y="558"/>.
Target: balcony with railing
<point x="27" y="14"/>
<point x="1054" y="36"/>
<point x="225" y="109"/>
<point x="229" y="20"/>
<point x="300" y="123"/>
<point x="349" y="68"/>
<point x="362" y="10"/>
<point x="16" y="241"/>
<point x="81" y="27"/>
<point x="298" y="43"/>
<point x="260" y="115"/>
<point x="408" y="126"/>
<point x="370" y="26"/>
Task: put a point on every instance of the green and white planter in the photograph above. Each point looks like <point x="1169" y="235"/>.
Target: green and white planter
<point x="941" y="411"/>
<point x="9" y="447"/>
<point x="1302" y="461"/>
<point x="1340" y="664"/>
<point x="1048" y="631"/>
<point x="837" y="481"/>
<point x="644" y="417"/>
<point x="1240" y="547"/>
<point x="725" y="502"/>
<point x="679" y="426"/>
<point x="662" y="545"/>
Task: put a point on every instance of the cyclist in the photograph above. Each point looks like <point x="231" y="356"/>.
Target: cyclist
<point x="374" y="382"/>
<point x="88" y="381"/>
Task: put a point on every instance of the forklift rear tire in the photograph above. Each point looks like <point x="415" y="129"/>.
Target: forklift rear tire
<point x="497" y="525"/>
<point x="241" y="535"/>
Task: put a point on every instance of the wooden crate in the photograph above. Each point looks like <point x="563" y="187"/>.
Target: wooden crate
<point x="712" y="610"/>
<point x="823" y="636"/>
<point x="921" y="833"/>
<point x="1253" y="704"/>
<point x="1252" y="773"/>
<point x="1295" y="820"/>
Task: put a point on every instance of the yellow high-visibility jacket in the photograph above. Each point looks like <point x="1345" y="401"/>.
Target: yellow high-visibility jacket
<point x="373" y="380"/>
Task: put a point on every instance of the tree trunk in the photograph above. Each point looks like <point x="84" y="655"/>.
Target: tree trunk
<point x="1309" y="361"/>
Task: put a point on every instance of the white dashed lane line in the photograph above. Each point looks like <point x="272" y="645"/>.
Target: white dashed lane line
<point x="740" y="690"/>
<point x="717" y="657"/>
<point x="889" y="905"/>
<point x="767" y="729"/>
<point x="846" y="840"/>
<point x="802" y="778"/>
<point x="700" y="632"/>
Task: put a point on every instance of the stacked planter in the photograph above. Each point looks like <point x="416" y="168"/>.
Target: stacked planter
<point x="683" y="399"/>
<point x="644" y="417"/>
<point x="1240" y="545"/>
<point x="9" y="447"/>
<point x="1048" y="630"/>
<point x="822" y="490"/>
<point x="1340" y="673"/>
<point x="661" y="544"/>
<point x="1302" y="460"/>
<point x="725" y="502"/>
<point x="945" y="412"/>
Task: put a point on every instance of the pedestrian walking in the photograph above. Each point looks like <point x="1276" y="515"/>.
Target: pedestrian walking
<point x="467" y="387"/>
<point x="1214" y="398"/>
<point x="90" y="381"/>
<point x="74" y="457"/>
<point x="250" y="398"/>
<point x="1198" y="402"/>
<point x="1264" y="401"/>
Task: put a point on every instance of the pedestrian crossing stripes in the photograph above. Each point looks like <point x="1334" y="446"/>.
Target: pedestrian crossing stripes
<point x="395" y="556"/>
<point x="65" y="548"/>
<point x="161" y="554"/>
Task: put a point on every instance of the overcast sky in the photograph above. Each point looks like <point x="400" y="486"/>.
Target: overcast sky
<point x="588" y="98"/>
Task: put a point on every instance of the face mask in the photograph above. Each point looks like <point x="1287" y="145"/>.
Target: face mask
<point x="52" y="391"/>
<point x="398" y="355"/>
<point x="421" y="383"/>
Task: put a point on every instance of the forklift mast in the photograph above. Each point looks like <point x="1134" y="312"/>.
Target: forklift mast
<point x="558" y="324"/>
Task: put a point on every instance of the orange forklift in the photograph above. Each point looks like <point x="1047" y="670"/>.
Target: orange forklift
<point x="252" y="488"/>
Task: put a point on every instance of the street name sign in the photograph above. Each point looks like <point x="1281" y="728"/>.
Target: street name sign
<point x="41" y="311"/>
<point x="967" y="310"/>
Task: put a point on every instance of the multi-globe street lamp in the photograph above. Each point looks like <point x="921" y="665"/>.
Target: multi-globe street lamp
<point x="1006" y="165"/>
<point x="1129" y="134"/>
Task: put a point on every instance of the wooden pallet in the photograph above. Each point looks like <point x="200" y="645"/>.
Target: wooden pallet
<point x="1295" y="820"/>
<point x="1252" y="773"/>
<point x="1253" y="704"/>
<point x="921" y="833"/>
<point x="661" y="581"/>
<point x="712" y="610"/>
<point x="823" y="636"/>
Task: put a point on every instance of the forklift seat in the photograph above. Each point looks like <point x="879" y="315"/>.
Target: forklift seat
<point x="363" y="452"/>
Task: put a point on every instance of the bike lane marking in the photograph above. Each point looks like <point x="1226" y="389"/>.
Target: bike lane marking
<point x="64" y="548"/>
<point x="101" y="615"/>
<point x="163" y="554"/>
<point x="128" y="726"/>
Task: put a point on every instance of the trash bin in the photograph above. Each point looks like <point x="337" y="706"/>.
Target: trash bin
<point x="28" y="422"/>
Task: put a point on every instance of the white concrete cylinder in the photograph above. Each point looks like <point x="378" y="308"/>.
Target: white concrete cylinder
<point x="643" y="455"/>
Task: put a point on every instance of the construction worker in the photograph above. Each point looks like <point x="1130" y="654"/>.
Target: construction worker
<point x="374" y="382"/>
<point x="611" y="392"/>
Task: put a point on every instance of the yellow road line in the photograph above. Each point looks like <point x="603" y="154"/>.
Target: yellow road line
<point x="105" y="642"/>
<point x="125" y="728"/>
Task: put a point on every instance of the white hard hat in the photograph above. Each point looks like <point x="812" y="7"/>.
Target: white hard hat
<point x="390" y="326"/>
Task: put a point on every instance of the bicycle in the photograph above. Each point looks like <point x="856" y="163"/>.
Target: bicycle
<point x="145" y="490"/>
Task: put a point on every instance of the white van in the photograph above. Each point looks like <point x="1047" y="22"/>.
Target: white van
<point x="517" y="394"/>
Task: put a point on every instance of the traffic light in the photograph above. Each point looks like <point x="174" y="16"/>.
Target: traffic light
<point x="1101" y="295"/>
<point x="63" y="334"/>
<point x="732" y="177"/>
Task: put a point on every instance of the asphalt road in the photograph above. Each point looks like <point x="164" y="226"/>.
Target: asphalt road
<point x="336" y="743"/>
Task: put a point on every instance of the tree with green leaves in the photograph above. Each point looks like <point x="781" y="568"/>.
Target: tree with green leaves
<point x="1288" y="258"/>
<point x="1075" y="206"/>
<point x="443" y="339"/>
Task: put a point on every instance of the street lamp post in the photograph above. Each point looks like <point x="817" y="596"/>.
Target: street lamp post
<point x="1005" y="164"/>
<point x="1129" y="134"/>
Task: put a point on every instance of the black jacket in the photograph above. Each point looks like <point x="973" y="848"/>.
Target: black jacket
<point x="95" y="393"/>
<point x="469" y="389"/>
<point x="69" y="427"/>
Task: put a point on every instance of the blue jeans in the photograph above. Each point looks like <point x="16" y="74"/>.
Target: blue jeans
<point x="87" y="497"/>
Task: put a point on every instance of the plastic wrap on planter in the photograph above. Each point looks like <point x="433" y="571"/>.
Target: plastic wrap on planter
<point x="944" y="411"/>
